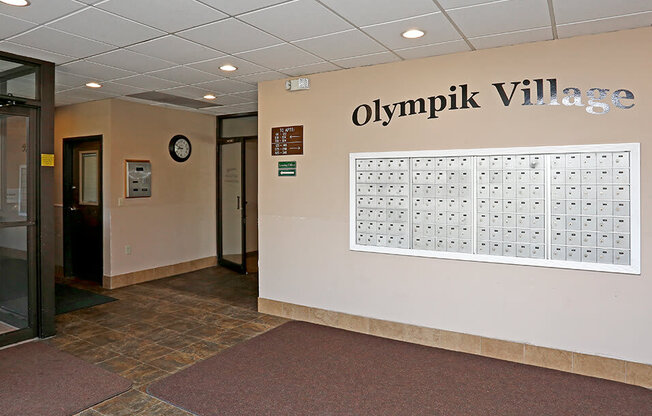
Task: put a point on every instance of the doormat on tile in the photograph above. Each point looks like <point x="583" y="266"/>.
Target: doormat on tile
<point x="68" y="299"/>
<point x="306" y="369"/>
<point x="38" y="380"/>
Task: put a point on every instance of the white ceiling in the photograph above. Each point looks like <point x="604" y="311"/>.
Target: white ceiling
<point x="177" y="46"/>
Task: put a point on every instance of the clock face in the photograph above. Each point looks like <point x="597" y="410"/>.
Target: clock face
<point x="180" y="148"/>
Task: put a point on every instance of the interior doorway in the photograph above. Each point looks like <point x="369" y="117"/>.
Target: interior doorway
<point x="82" y="208"/>
<point x="237" y="205"/>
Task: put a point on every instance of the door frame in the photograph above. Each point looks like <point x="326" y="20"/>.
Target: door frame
<point x="242" y="267"/>
<point x="68" y="162"/>
<point x="43" y="202"/>
<point x="31" y="224"/>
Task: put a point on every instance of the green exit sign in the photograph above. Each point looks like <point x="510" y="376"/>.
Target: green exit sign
<point x="287" y="168"/>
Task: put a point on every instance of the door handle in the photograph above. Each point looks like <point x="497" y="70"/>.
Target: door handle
<point x="238" y="202"/>
<point x="72" y="209"/>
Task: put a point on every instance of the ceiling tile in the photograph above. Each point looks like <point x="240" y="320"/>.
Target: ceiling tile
<point x="61" y="87"/>
<point x="433" y="50"/>
<point x="311" y="69"/>
<point x="168" y="15"/>
<point x="105" y="27"/>
<point x="213" y="67"/>
<point x="341" y="45"/>
<point x="373" y="59"/>
<point x="194" y="93"/>
<point x="214" y="111"/>
<point x="184" y="75"/>
<point x="230" y="36"/>
<point x="11" y="26"/>
<point x="230" y="100"/>
<point x="84" y="94"/>
<point x="60" y="42"/>
<point x="35" y="53"/>
<point x="582" y="10"/>
<point x="501" y="17"/>
<point x="452" y="4"/>
<point x="147" y="82"/>
<point x="71" y="80"/>
<point x="119" y="89"/>
<point x="280" y="56"/>
<point x="240" y="108"/>
<point x="296" y="20"/>
<point x="175" y="49"/>
<point x="227" y="86"/>
<point x="605" y="25"/>
<point x="96" y="72"/>
<point x="132" y="61"/>
<point x="240" y="6"/>
<point x="62" y="101"/>
<point x="42" y="11"/>
<point x="436" y="27"/>
<point x="512" y="38"/>
<point x="262" y="76"/>
<point x="249" y="96"/>
<point x="369" y="12"/>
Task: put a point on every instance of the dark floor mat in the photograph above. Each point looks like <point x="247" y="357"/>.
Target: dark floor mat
<point x="38" y="380"/>
<point x="70" y="299"/>
<point x="303" y="369"/>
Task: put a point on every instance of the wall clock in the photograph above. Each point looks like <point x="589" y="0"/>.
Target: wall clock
<point x="180" y="148"/>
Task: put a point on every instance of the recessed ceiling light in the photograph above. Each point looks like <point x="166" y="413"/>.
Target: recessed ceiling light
<point x="19" y="3"/>
<point x="413" y="33"/>
<point x="228" y="68"/>
<point x="209" y="97"/>
<point x="94" y="85"/>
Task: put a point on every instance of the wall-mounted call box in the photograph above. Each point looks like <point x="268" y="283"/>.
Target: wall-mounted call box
<point x="138" y="178"/>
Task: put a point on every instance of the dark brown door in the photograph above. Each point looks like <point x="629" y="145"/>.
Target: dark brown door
<point x="83" y="208"/>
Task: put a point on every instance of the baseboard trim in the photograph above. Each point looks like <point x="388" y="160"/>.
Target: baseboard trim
<point x="589" y="365"/>
<point x="128" y="279"/>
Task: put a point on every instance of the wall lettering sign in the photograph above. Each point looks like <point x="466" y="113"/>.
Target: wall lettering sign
<point x="538" y="92"/>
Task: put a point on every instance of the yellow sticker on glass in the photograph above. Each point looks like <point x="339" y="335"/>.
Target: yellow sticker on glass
<point x="47" y="159"/>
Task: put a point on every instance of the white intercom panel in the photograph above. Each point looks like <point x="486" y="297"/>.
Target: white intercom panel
<point x="566" y="206"/>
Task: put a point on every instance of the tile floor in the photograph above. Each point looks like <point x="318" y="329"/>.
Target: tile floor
<point x="158" y="328"/>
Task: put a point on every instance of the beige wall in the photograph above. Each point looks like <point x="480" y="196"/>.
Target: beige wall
<point x="304" y="221"/>
<point x="81" y="120"/>
<point x="175" y="225"/>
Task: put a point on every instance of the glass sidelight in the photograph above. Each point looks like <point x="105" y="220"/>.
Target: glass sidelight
<point x="231" y="205"/>
<point x="17" y="224"/>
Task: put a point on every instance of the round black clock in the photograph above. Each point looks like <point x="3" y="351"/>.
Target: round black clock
<point x="180" y="148"/>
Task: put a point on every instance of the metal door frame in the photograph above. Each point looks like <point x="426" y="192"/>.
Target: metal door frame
<point x="31" y="224"/>
<point x="43" y="249"/>
<point x="242" y="267"/>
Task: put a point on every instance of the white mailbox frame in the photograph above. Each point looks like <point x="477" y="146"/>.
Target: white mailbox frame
<point x="547" y="151"/>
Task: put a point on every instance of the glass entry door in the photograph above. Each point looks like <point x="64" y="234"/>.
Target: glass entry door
<point x="17" y="225"/>
<point x="231" y="220"/>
